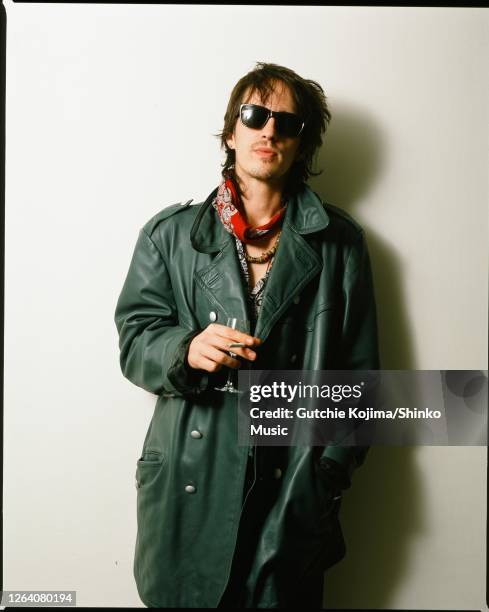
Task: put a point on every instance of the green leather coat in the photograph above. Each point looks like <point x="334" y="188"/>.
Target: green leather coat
<point x="318" y="312"/>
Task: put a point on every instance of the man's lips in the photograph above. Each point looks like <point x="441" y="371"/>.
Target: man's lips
<point x="265" y="152"/>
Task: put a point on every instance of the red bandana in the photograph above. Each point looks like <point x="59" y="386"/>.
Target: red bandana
<point x="230" y="210"/>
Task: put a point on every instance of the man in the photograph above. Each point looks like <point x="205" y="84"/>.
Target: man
<point x="221" y="524"/>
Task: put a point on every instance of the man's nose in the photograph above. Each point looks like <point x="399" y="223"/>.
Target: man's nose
<point x="269" y="129"/>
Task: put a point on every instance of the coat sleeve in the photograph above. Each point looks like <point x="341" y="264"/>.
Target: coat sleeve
<point x="358" y="351"/>
<point x="153" y="346"/>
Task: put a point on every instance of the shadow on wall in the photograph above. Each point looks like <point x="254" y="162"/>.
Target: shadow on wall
<point x="383" y="508"/>
<point x="352" y="159"/>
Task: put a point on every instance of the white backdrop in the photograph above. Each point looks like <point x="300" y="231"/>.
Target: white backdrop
<point x="111" y="112"/>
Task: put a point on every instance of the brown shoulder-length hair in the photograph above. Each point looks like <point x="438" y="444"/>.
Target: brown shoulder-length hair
<point x="310" y="103"/>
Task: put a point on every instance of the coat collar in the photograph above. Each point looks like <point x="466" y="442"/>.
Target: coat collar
<point x="295" y="265"/>
<point x="305" y="214"/>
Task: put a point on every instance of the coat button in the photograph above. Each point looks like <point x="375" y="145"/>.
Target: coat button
<point x="190" y="489"/>
<point x="277" y="473"/>
<point x="293" y="359"/>
<point x="213" y="315"/>
<point x="297" y="299"/>
<point x="195" y="434"/>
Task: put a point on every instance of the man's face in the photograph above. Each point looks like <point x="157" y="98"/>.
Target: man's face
<point x="263" y="154"/>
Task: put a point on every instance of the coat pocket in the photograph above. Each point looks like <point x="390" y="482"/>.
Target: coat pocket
<point x="148" y="467"/>
<point x="330" y="496"/>
<point x="150" y="516"/>
<point x="307" y="319"/>
<point x="331" y="506"/>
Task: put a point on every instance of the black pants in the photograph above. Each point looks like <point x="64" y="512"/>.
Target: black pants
<point x="259" y="501"/>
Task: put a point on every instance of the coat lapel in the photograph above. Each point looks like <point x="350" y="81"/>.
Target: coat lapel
<point x="222" y="283"/>
<point x="296" y="262"/>
<point x="221" y="280"/>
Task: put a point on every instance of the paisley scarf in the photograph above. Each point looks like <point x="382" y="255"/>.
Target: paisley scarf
<point x="230" y="210"/>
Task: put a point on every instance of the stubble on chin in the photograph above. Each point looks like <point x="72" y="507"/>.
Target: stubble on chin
<point x="263" y="171"/>
<point x="262" y="174"/>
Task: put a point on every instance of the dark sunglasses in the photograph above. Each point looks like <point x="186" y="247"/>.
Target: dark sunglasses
<point x="255" y="117"/>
